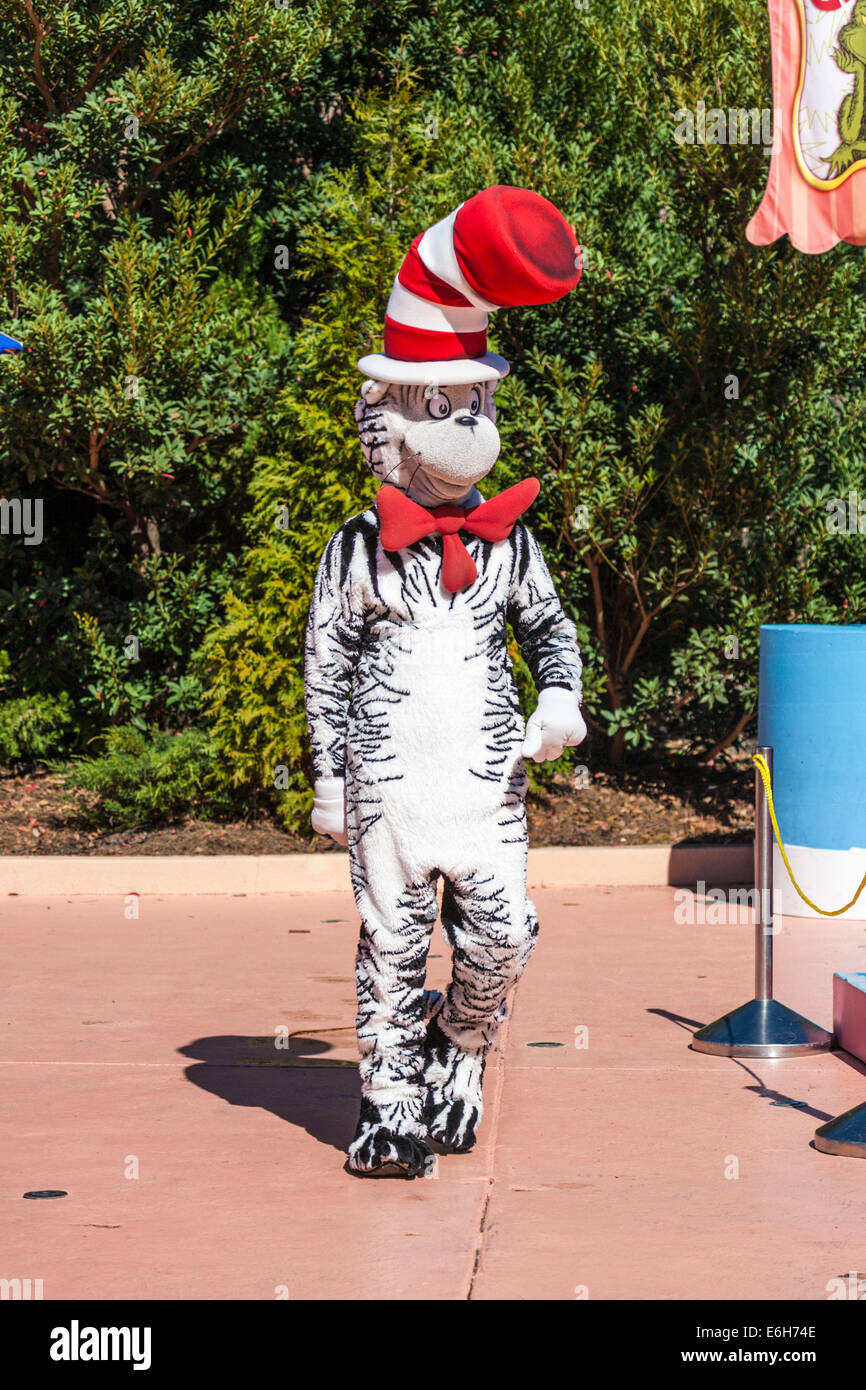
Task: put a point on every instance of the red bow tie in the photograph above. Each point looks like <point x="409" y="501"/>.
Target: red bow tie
<point x="402" y="522"/>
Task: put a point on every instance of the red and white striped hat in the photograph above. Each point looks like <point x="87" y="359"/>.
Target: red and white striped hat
<point x="505" y="246"/>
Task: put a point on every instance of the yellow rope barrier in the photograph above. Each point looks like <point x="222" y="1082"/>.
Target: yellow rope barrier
<point x="761" y="764"/>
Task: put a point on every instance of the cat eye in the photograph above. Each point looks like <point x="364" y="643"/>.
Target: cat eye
<point x="439" y="407"/>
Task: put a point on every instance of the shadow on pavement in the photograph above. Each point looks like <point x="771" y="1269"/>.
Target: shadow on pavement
<point x="318" y="1095"/>
<point x="778" y="1098"/>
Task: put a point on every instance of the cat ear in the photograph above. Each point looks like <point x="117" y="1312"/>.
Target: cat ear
<point x="374" y="391"/>
<point x="489" y="388"/>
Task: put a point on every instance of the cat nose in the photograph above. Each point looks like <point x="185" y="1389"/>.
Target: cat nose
<point x="464" y="419"/>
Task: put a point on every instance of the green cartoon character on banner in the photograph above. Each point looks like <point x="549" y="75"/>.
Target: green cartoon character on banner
<point x="850" y="56"/>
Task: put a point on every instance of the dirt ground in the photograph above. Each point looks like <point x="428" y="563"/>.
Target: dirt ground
<point x="649" y="803"/>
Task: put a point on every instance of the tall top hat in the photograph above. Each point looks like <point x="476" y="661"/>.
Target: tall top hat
<point x="505" y="246"/>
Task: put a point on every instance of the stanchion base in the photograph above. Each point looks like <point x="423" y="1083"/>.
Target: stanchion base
<point x="846" y="1135"/>
<point x="762" y="1028"/>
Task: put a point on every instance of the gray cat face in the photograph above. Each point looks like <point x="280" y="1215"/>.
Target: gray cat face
<point x="433" y="442"/>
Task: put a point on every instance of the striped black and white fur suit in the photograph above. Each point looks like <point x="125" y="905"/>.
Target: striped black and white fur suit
<point x="411" y="697"/>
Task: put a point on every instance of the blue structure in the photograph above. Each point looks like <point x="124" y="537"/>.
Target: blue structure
<point x="812" y="711"/>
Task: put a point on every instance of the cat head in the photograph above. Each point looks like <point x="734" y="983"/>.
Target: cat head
<point x="432" y="442"/>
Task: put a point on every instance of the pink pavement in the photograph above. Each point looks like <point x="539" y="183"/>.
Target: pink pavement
<point x="141" y="1075"/>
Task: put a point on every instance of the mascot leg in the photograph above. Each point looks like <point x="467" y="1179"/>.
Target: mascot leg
<point x="492" y="929"/>
<point x="396" y="924"/>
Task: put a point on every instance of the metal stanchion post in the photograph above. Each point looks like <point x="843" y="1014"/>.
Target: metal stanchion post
<point x="763" y="1027"/>
<point x="846" y="1135"/>
<point x="763" y="874"/>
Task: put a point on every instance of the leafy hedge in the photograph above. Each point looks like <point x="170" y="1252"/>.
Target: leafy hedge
<point x="34" y="728"/>
<point x="689" y="409"/>
<point x="145" y="778"/>
<point x="194" y="299"/>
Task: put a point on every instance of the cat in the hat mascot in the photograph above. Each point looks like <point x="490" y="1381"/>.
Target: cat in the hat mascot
<point x="417" y="735"/>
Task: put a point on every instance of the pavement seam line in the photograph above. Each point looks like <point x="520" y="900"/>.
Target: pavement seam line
<point x="490" y="1178"/>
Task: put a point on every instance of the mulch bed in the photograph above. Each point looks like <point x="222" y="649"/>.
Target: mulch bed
<point x="674" y="802"/>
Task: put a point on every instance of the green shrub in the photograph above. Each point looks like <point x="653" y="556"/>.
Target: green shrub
<point x="691" y="410"/>
<point x="193" y="297"/>
<point x="252" y="665"/>
<point x="147" y="778"/>
<point x="34" y="728"/>
<point x="137" y="224"/>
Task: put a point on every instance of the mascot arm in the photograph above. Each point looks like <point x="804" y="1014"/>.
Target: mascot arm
<point x="333" y="641"/>
<point x="556" y="723"/>
<point x="328" y="816"/>
<point x="548" y="643"/>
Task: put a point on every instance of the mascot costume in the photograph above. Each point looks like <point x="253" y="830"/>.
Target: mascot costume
<point x="417" y="735"/>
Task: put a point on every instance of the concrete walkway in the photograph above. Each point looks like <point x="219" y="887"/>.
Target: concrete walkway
<point x="141" y="1074"/>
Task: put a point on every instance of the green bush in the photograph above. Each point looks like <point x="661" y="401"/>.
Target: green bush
<point x="34" y="728"/>
<point x="146" y="778"/>
<point x="146" y="158"/>
<point x="252" y="665"/>
<point x="689" y="409"/>
<point x="202" y="207"/>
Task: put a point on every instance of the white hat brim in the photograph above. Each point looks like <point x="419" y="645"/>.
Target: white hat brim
<point x="458" y="372"/>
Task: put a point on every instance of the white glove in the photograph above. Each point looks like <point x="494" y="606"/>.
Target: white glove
<point x="556" y="723"/>
<point x="329" y="809"/>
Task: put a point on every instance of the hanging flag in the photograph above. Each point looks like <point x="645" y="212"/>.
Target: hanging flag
<point x="816" y="190"/>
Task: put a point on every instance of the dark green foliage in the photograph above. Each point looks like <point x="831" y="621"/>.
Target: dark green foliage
<point x="254" y="662"/>
<point x="131" y="237"/>
<point x="124" y="661"/>
<point x="139" y="675"/>
<point x="144" y="778"/>
<point x="679" y="509"/>
<point x="34" y="728"/>
<point x="691" y="410"/>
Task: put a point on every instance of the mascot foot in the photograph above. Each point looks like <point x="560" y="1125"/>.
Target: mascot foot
<point x="388" y="1143"/>
<point x="453" y="1079"/>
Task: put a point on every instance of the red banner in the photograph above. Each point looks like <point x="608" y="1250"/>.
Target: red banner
<point x="816" y="190"/>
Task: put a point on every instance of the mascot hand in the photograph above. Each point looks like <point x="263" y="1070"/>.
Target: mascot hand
<point x="555" y="724"/>
<point x="329" y="809"/>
